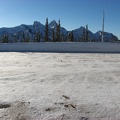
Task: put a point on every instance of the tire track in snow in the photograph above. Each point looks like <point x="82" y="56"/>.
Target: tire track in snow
<point x="60" y="85"/>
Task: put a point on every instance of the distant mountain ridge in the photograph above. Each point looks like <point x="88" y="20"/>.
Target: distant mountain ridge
<point x="16" y="33"/>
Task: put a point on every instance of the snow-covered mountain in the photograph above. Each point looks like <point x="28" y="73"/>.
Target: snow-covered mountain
<point x="78" y="33"/>
<point x="16" y="33"/>
<point x="107" y="36"/>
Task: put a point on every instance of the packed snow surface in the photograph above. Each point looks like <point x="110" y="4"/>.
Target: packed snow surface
<point x="59" y="86"/>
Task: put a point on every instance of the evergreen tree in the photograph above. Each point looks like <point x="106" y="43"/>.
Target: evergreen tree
<point x="53" y="35"/>
<point x="23" y="37"/>
<point x="46" y="31"/>
<point x="41" y="36"/>
<point x="71" y="37"/>
<point x="5" y="39"/>
<point x="35" y="39"/>
<point x="15" y="40"/>
<point x="27" y="38"/>
<point x="87" y="34"/>
<point x="58" y="32"/>
<point x="62" y="37"/>
<point x="37" y="36"/>
<point x="83" y="35"/>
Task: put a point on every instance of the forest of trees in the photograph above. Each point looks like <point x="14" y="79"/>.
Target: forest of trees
<point x="55" y="36"/>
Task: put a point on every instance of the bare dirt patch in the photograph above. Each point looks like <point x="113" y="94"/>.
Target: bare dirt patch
<point x="4" y="105"/>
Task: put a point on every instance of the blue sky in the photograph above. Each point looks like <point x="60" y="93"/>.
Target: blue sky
<point x="72" y="13"/>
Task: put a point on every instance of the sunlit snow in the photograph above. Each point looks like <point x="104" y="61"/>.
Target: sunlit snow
<point x="59" y="86"/>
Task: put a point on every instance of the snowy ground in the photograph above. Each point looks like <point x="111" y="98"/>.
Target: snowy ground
<point x="59" y="86"/>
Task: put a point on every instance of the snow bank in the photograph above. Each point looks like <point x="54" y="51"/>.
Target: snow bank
<point x="61" y="47"/>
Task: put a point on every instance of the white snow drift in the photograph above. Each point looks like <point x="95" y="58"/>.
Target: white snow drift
<point x="73" y="47"/>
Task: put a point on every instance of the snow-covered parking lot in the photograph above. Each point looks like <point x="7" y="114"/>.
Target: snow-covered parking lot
<point x="59" y="86"/>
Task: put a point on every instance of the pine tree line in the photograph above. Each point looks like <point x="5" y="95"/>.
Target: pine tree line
<point x="4" y="39"/>
<point x="55" y="36"/>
